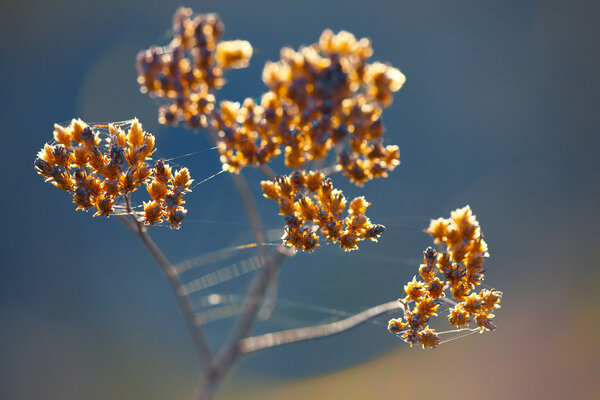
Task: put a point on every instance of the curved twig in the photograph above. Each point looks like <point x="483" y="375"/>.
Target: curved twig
<point x="266" y="341"/>
<point x="267" y="171"/>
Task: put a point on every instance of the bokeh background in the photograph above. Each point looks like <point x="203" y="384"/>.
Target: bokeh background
<point x="500" y="111"/>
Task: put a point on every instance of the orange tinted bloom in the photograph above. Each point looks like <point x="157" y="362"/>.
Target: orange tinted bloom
<point x="414" y="289"/>
<point x="458" y="317"/>
<point x="428" y="338"/>
<point x="460" y="267"/>
<point x="307" y="199"/>
<point x="99" y="174"/>
<point x="319" y="96"/>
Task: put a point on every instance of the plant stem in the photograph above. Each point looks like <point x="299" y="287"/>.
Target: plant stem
<point x="251" y="211"/>
<point x="266" y="341"/>
<point x="267" y="171"/>
<point x="183" y="301"/>
<point x="230" y="352"/>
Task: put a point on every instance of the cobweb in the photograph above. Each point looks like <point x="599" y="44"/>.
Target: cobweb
<point x="216" y="279"/>
<point x="216" y="276"/>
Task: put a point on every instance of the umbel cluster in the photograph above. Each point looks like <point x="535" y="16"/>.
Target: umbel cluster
<point x="458" y="268"/>
<point x="100" y="169"/>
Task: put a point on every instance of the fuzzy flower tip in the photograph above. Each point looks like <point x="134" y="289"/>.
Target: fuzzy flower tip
<point x="102" y="165"/>
<point x="311" y="205"/>
<point x="324" y="95"/>
<point x="458" y="269"/>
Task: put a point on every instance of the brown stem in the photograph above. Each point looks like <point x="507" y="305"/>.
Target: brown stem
<point x="251" y="211"/>
<point x="183" y="301"/>
<point x="270" y="300"/>
<point x="266" y="341"/>
<point x="267" y="171"/>
<point x="230" y="352"/>
<point x="247" y="201"/>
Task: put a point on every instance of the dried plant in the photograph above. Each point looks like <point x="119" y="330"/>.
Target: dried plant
<point x="98" y="174"/>
<point x="325" y="98"/>
<point x="320" y="212"/>
<point x="320" y="97"/>
<point x="460" y="266"/>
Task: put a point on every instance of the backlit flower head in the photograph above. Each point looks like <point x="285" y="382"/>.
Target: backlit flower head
<point x="188" y="70"/>
<point x="311" y="205"/>
<point x="458" y="268"/>
<point x="320" y="96"/>
<point x="324" y="95"/>
<point x="101" y="165"/>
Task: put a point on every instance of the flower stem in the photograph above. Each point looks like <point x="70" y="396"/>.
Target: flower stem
<point x="266" y="341"/>
<point x="183" y="301"/>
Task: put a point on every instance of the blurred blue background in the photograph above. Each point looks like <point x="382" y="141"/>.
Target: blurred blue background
<point x="500" y="111"/>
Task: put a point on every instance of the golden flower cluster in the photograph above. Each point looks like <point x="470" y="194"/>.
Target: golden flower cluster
<point x="189" y="69"/>
<point x="460" y="269"/>
<point x="311" y="205"/>
<point x="320" y="97"/>
<point x="98" y="173"/>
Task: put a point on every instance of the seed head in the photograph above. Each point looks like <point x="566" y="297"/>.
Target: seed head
<point x="99" y="175"/>
<point x="319" y="96"/>
<point x="311" y="204"/>
<point x="460" y="269"/>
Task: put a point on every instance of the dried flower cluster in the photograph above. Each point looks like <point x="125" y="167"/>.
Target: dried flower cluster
<point x="311" y="204"/>
<point x="188" y="70"/>
<point x="319" y="97"/>
<point x="460" y="267"/>
<point x="99" y="173"/>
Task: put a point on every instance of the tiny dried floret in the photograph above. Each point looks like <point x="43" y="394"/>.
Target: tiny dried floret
<point x="396" y="325"/>
<point x="312" y="205"/>
<point x="234" y="54"/>
<point x="459" y="268"/>
<point x="414" y="290"/>
<point x="428" y="338"/>
<point x="102" y="164"/>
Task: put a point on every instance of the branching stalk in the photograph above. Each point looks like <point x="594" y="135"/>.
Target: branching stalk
<point x="183" y="301"/>
<point x="230" y="352"/>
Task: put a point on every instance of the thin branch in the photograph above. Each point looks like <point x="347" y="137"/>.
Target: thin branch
<point x="129" y="224"/>
<point x="266" y="341"/>
<point x="330" y="170"/>
<point x="247" y="200"/>
<point x="448" y="301"/>
<point x="267" y="171"/>
<point x="251" y="210"/>
<point x="185" y="305"/>
<point x="230" y="352"/>
<point x="255" y="222"/>
<point x="270" y="301"/>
